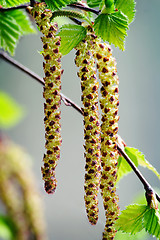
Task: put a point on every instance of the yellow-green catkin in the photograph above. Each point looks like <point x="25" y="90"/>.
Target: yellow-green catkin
<point x="18" y="193"/>
<point x="52" y="70"/>
<point x="89" y="85"/>
<point x="109" y="103"/>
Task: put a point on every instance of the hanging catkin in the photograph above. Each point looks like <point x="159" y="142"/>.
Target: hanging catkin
<point x="89" y="85"/>
<point x="18" y="192"/>
<point x="52" y="70"/>
<point x="106" y="65"/>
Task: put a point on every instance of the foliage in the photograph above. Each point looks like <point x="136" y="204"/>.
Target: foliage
<point x="13" y="25"/>
<point x="7" y="228"/>
<point x="71" y="35"/>
<point x="136" y="217"/>
<point x="138" y="159"/>
<point x="12" y="3"/>
<point x="10" y="111"/>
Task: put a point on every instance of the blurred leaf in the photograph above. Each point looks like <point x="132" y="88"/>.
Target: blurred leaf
<point x="12" y="3"/>
<point x="10" y="111"/>
<point x="7" y="228"/>
<point x="70" y="35"/>
<point x="58" y="4"/>
<point x="127" y="236"/>
<point x="94" y="3"/>
<point x="23" y="22"/>
<point x="13" y="24"/>
<point x="152" y="222"/>
<point x="112" y="28"/>
<point x="130" y="219"/>
<point x="135" y="153"/>
<point x="127" y="7"/>
<point x="123" y="167"/>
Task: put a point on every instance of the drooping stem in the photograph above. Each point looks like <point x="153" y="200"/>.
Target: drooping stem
<point x="70" y="103"/>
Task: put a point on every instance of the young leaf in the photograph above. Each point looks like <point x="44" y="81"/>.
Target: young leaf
<point x="70" y="35"/>
<point x="10" y="112"/>
<point x="124" y="168"/>
<point x="112" y="28"/>
<point x="13" y="24"/>
<point x="127" y="7"/>
<point x="130" y="219"/>
<point x="23" y="22"/>
<point x="58" y="4"/>
<point x="7" y="228"/>
<point x="127" y="236"/>
<point x="12" y="3"/>
<point x="152" y="222"/>
<point x="135" y="153"/>
<point x="94" y="3"/>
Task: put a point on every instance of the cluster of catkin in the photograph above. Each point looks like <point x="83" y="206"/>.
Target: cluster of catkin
<point x="52" y="80"/>
<point x="92" y="57"/>
<point x="100" y="139"/>
<point x="18" y="193"/>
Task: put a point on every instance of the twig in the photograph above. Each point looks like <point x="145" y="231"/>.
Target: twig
<point x="82" y="7"/>
<point x="12" y="61"/>
<point x="23" y="6"/>
<point x="76" y="21"/>
<point x="69" y="102"/>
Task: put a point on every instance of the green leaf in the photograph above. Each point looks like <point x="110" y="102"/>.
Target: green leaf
<point x="123" y="167"/>
<point x="127" y="236"/>
<point x="112" y="28"/>
<point x="152" y="222"/>
<point x="130" y="219"/>
<point x="70" y="35"/>
<point x="58" y="4"/>
<point x="13" y="24"/>
<point x="94" y="3"/>
<point x="127" y="7"/>
<point x="12" y="3"/>
<point x="140" y="159"/>
<point x="7" y="228"/>
<point x="9" y="32"/>
<point x="23" y="22"/>
<point x="10" y="112"/>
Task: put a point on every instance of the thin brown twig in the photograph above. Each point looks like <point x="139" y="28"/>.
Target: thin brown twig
<point x="26" y="70"/>
<point x="68" y="102"/>
<point x="82" y="7"/>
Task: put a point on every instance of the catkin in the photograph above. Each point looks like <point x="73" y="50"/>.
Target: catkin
<point x="106" y="65"/>
<point x="18" y="193"/>
<point x="52" y="70"/>
<point x="89" y="85"/>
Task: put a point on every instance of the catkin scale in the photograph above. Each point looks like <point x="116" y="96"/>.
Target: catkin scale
<point x="51" y="93"/>
<point x="106" y="65"/>
<point x="89" y="85"/>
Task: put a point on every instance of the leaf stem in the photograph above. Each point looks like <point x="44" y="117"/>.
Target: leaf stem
<point x="68" y="102"/>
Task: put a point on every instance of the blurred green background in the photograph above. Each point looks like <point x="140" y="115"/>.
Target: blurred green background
<point x="138" y="70"/>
